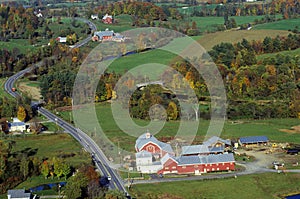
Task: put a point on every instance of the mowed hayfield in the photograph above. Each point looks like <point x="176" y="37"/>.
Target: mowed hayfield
<point x="288" y="24"/>
<point x="232" y="129"/>
<point x="262" y="186"/>
<point x="234" y="36"/>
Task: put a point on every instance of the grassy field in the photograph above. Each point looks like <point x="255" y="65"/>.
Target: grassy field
<point x="289" y="24"/>
<point x="52" y="145"/>
<point x="232" y="129"/>
<point x="262" y="186"/>
<point x="291" y="53"/>
<point x="154" y="56"/>
<point x="22" y="44"/>
<point x="210" y="40"/>
<point x="209" y="23"/>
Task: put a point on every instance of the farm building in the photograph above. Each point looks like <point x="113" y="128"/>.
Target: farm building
<point x="253" y="140"/>
<point x="145" y="163"/>
<point x="94" y="17"/>
<point x="61" y="39"/>
<point x="201" y="150"/>
<point x="217" y="142"/>
<point x="108" y="35"/>
<point x="107" y="19"/>
<point x="148" y="142"/>
<point x="197" y="164"/>
<point x="18" y="194"/>
<point x="213" y="145"/>
<point x="17" y="125"/>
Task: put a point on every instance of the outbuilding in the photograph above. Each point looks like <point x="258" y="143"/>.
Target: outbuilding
<point x="253" y="140"/>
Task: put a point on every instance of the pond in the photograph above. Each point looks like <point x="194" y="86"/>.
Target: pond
<point x="293" y="197"/>
<point x="47" y="186"/>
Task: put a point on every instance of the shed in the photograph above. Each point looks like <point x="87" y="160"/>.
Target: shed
<point x="243" y="141"/>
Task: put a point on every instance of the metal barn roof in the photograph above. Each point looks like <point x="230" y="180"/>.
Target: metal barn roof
<point x="253" y="139"/>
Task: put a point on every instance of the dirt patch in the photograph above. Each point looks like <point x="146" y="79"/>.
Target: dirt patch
<point x="294" y="129"/>
<point x="32" y="91"/>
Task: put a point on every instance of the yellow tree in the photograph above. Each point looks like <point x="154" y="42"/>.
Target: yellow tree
<point x="21" y="113"/>
<point x="172" y="111"/>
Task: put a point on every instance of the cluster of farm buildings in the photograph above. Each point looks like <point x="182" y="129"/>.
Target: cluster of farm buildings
<point x="213" y="155"/>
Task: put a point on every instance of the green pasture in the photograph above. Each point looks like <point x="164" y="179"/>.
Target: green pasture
<point x="51" y="145"/>
<point x="231" y="129"/>
<point x="263" y="186"/>
<point x="288" y="24"/>
<point x="126" y="63"/>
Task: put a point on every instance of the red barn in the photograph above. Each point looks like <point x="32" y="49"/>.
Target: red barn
<point x="107" y="19"/>
<point x="197" y="164"/>
<point x="149" y="143"/>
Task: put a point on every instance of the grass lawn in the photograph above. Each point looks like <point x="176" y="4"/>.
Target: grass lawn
<point x="288" y="24"/>
<point x="52" y="145"/>
<point x="291" y="53"/>
<point x="263" y="186"/>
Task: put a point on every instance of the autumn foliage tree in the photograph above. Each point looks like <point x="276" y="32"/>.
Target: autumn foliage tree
<point x="21" y="113"/>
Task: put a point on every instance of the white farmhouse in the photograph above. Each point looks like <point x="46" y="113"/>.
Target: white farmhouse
<point x="17" y="125"/>
<point x="145" y="164"/>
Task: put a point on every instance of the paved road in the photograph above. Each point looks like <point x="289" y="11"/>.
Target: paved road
<point x="88" y="143"/>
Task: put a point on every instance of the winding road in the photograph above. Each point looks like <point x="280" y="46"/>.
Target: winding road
<point x="88" y="143"/>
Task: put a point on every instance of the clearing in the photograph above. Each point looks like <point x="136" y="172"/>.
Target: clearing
<point x="31" y="89"/>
